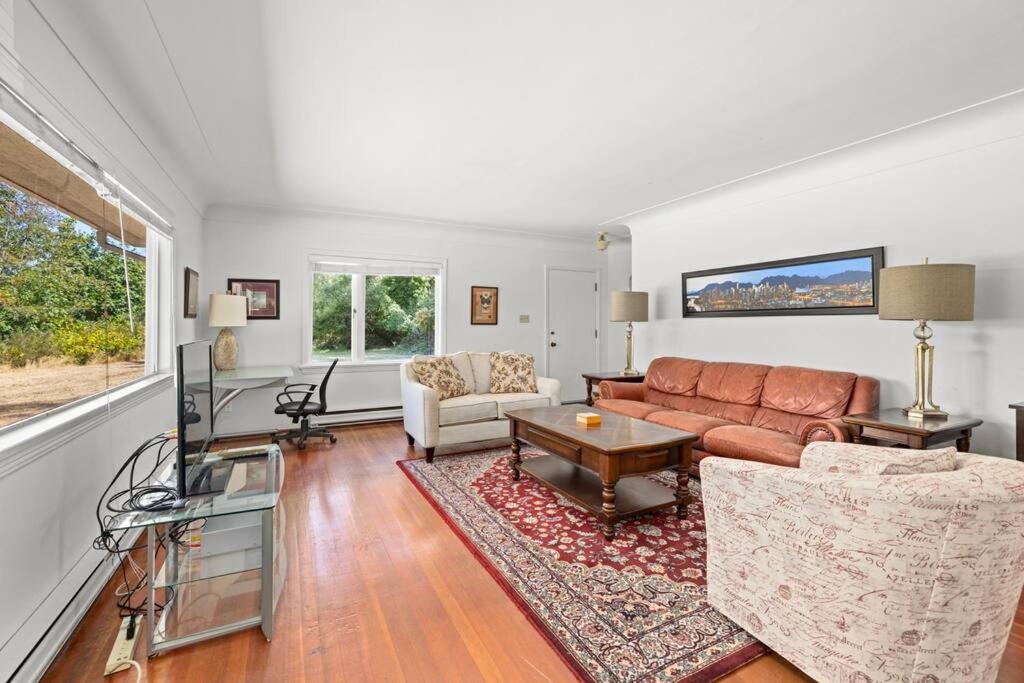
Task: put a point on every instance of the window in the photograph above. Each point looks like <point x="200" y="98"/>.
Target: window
<point x="72" y="292"/>
<point x="367" y="311"/>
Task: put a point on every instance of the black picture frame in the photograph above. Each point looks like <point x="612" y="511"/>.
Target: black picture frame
<point x="272" y="290"/>
<point x="191" y="293"/>
<point x="876" y="254"/>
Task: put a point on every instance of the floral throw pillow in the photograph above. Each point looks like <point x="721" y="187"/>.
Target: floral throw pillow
<point x="512" y="373"/>
<point x="440" y="374"/>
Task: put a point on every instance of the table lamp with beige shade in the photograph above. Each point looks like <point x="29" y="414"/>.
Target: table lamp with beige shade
<point x="227" y="311"/>
<point x="629" y="308"/>
<point x="929" y="291"/>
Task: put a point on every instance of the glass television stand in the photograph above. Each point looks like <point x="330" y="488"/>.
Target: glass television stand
<point x="224" y="569"/>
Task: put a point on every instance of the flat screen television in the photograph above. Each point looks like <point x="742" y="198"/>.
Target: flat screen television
<point x="196" y="421"/>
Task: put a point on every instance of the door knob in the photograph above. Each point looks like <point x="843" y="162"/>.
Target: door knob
<point x="554" y="344"/>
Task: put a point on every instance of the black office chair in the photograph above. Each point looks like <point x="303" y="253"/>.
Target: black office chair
<point x="299" y="408"/>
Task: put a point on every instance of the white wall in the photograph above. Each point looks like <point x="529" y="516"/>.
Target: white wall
<point x="619" y="257"/>
<point x="48" y="495"/>
<point x="260" y="244"/>
<point x="949" y="189"/>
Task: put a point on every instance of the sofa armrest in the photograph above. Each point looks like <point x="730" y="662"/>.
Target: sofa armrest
<point x="630" y="391"/>
<point x="551" y="388"/>
<point x="420" y="409"/>
<point x="825" y="430"/>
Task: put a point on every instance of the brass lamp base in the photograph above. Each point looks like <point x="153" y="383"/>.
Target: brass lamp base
<point x="927" y="412"/>
<point x="629" y="369"/>
<point x="924" y="366"/>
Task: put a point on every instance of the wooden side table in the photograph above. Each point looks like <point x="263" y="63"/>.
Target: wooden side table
<point x="593" y="378"/>
<point x="893" y="425"/>
<point x="1019" y="407"/>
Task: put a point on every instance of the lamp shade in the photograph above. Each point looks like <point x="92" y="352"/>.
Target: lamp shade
<point x="929" y="291"/>
<point x="228" y="310"/>
<point x="628" y="307"/>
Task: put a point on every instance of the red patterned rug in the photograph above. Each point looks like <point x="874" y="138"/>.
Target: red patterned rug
<point x="628" y="611"/>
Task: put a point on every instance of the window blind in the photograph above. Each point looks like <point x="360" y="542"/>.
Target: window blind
<point x="80" y="176"/>
<point x="344" y="266"/>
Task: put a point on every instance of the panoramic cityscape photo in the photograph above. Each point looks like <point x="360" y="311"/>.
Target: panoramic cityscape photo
<point x="842" y="283"/>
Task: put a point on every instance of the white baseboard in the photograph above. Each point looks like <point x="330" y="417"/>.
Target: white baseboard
<point x="363" y="416"/>
<point x="50" y="626"/>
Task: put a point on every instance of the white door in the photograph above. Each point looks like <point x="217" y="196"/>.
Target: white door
<point x="572" y="343"/>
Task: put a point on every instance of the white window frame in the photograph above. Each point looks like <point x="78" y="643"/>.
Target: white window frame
<point x="358" y="360"/>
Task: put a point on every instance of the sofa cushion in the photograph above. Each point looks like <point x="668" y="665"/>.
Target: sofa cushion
<point x="779" y="421"/>
<point x="736" y="413"/>
<point x="637" y="409"/>
<point x="468" y="408"/>
<point x="517" y="401"/>
<point x="677" y="376"/>
<point x="818" y="393"/>
<point x="732" y="382"/>
<point x="460" y="360"/>
<point x="481" y="364"/>
<point x="694" y="423"/>
<point x="853" y="458"/>
<point x="439" y="373"/>
<point x="512" y="373"/>
<point x="753" y="443"/>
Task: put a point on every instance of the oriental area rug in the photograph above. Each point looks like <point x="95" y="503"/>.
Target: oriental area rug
<point x="632" y="610"/>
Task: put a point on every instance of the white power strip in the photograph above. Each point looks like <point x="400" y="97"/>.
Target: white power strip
<point x="121" y="654"/>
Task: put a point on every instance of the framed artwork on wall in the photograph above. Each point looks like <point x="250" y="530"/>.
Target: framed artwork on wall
<point x="264" y="297"/>
<point x="484" y="310"/>
<point x="841" y="283"/>
<point x="191" y="293"/>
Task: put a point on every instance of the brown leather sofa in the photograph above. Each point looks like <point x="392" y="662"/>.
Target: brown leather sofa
<point x="741" y="410"/>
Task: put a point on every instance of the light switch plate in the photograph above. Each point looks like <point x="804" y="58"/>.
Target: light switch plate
<point x="524" y="318"/>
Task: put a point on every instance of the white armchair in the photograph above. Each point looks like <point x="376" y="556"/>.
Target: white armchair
<point x="478" y="416"/>
<point x="870" y="564"/>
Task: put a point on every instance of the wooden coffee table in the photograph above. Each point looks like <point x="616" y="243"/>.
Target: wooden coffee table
<point x="600" y="468"/>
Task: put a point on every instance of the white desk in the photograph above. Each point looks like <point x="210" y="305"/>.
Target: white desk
<point x="234" y="382"/>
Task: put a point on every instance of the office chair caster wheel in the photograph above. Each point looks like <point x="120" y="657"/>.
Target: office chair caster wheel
<point x="302" y="444"/>
<point x="334" y="439"/>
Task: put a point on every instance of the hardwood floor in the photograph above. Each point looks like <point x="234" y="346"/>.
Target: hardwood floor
<point x="379" y="589"/>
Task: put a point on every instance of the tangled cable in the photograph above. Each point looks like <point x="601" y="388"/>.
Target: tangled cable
<point x="140" y="496"/>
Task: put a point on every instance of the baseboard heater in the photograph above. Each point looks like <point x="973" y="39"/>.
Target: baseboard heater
<point x="354" y="416"/>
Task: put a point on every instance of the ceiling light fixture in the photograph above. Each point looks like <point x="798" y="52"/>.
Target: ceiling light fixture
<point x="602" y="241"/>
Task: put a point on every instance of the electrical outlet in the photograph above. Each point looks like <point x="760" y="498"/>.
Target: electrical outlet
<point x="524" y="318"/>
<point x="123" y="649"/>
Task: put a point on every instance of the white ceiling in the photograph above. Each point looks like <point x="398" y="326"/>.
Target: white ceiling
<point x="537" y="115"/>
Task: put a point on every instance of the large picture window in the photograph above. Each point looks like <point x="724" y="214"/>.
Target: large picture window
<point x="373" y="311"/>
<point x="72" y="293"/>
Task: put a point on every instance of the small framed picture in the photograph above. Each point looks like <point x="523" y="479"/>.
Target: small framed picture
<point x="485" y="306"/>
<point x="191" y="293"/>
<point x="264" y="297"/>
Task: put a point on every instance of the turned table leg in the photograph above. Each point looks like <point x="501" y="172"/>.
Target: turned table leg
<point x="608" y="509"/>
<point x="682" y="492"/>
<point x="516" y="459"/>
<point x="590" y="392"/>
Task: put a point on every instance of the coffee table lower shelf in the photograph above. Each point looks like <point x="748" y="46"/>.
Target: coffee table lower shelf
<point x="633" y="495"/>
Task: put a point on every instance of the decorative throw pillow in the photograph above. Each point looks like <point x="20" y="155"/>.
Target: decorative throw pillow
<point x="440" y="374"/>
<point x="851" y="458"/>
<point x="512" y="373"/>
